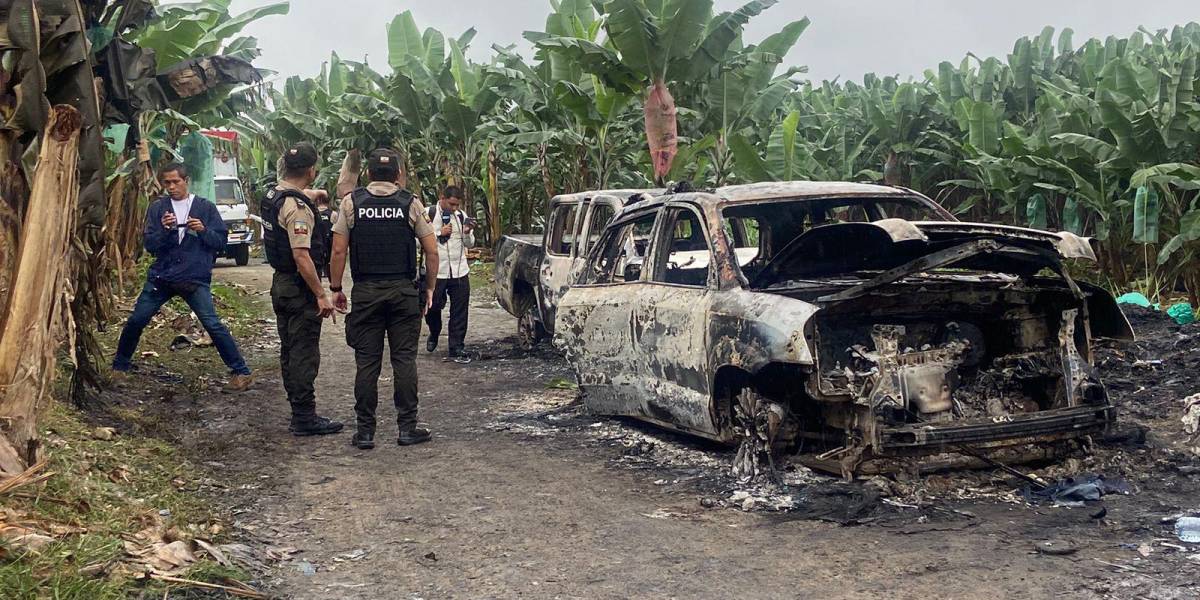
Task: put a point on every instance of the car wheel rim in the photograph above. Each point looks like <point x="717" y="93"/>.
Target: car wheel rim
<point x="756" y="425"/>
<point x="526" y="332"/>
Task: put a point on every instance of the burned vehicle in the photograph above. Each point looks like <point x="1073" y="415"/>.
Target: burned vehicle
<point x="533" y="271"/>
<point x="853" y="324"/>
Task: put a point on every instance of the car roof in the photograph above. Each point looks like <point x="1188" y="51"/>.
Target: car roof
<point x="774" y="190"/>
<point x="623" y="194"/>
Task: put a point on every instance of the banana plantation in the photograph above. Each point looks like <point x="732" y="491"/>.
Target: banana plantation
<point x="1097" y="137"/>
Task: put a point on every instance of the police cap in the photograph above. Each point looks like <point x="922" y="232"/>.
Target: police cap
<point x="383" y="159"/>
<point x="300" y="156"/>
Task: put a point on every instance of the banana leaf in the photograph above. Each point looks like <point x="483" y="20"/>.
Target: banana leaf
<point x="1146" y="211"/>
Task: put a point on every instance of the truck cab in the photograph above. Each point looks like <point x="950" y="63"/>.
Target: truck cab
<point x="534" y="271"/>
<point x="231" y="202"/>
<point x="229" y="197"/>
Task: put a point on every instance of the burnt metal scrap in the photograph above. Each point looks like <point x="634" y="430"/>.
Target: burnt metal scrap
<point x="860" y="326"/>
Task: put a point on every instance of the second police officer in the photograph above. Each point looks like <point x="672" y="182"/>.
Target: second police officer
<point x="380" y="226"/>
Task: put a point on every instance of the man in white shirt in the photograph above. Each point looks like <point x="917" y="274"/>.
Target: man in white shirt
<point x="454" y="237"/>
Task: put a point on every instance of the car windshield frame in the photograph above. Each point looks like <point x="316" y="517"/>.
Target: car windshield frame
<point x="238" y="196"/>
<point x="765" y="255"/>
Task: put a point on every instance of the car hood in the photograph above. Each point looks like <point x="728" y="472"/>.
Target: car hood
<point x="845" y="248"/>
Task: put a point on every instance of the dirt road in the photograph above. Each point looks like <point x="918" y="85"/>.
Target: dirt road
<point x="520" y="495"/>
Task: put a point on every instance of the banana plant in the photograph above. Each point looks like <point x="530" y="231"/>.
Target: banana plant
<point x="650" y="45"/>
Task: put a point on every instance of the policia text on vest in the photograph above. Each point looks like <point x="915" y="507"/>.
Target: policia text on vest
<point x="379" y="227"/>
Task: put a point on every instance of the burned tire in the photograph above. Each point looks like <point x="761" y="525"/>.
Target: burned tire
<point x="529" y="329"/>
<point x="241" y="255"/>
<point x="758" y="427"/>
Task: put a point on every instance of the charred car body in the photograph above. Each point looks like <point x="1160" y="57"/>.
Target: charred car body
<point x="854" y="323"/>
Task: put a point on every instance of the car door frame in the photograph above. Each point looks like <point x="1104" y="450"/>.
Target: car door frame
<point x="598" y="322"/>
<point x="677" y="373"/>
<point x="555" y="268"/>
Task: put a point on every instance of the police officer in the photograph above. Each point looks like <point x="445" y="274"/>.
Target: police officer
<point x="380" y="226"/>
<point x="325" y="217"/>
<point x="294" y="248"/>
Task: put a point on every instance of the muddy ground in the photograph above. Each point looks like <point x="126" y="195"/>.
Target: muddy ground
<point x="521" y="494"/>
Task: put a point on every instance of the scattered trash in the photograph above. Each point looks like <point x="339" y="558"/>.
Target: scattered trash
<point x="1188" y="529"/>
<point x="1136" y="299"/>
<point x="306" y="568"/>
<point x="1077" y="490"/>
<point x="104" y="433"/>
<point x="355" y="554"/>
<point x="431" y="556"/>
<point x="1183" y="313"/>
<point x="324" y="480"/>
<point x="1191" y="415"/>
<point x="149" y="354"/>
<point x="1055" y="548"/>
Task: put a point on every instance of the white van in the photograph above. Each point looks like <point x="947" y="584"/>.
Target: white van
<point x="231" y="202"/>
<point x="229" y="198"/>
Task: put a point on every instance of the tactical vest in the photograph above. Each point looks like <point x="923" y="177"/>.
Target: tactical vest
<point x="276" y="243"/>
<point x="383" y="245"/>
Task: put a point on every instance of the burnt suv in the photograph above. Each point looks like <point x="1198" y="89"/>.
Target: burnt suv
<point x="854" y="324"/>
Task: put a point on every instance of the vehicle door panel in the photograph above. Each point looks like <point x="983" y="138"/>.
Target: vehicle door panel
<point x="562" y="233"/>
<point x="670" y="329"/>
<point x="595" y="323"/>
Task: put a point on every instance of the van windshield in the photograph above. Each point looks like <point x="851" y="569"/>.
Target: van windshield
<point x="228" y="192"/>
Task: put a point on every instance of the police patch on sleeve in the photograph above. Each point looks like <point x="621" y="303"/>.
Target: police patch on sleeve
<point x="300" y="228"/>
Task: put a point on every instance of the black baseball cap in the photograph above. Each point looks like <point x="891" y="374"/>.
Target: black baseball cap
<point x="300" y="156"/>
<point x="384" y="159"/>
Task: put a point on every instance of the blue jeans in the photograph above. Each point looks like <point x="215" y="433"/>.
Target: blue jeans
<point x="200" y="300"/>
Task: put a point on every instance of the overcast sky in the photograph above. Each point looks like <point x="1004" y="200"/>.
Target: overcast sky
<point x="847" y="38"/>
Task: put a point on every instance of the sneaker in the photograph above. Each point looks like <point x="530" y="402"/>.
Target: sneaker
<point x="416" y="435"/>
<point x="238" y="383"/>
<point x="459" y="356"/>
<point x="431" y="344"/>
<point x="315" y="426"/>
<point x="363" y="440"/>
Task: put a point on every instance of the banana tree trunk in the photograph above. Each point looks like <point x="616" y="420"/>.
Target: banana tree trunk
<point x="493" y="192"/>
<point x="37" y="318"/>
<point x="661" y="129"/>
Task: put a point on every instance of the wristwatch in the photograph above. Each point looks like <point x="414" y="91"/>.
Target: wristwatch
<point x="335" y="289"/>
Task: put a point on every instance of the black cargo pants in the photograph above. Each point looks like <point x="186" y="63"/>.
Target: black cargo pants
<point x="299" y="342"/>
<point x="459" y="291"/>
<point x="379" y="309"/>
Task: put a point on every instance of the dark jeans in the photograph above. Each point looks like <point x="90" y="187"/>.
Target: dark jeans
<point x="458" y="290"/>
<point x="299" y="327"/>
<point x="200" y="300"/>
<point x="379" y="309"/>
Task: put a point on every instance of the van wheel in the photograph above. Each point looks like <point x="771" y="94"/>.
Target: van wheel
<point x="757" y="425"/>
<point x="241" y="255"/>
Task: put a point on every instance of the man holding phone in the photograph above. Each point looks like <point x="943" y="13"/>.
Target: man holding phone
<point x="455" y="236"/>
<point x="184" y="233"/>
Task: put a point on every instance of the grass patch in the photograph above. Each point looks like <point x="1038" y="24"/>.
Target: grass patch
<point x="104" y="490"/>
<point x="101" y="491"/>
<point x="482" y="278"/>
